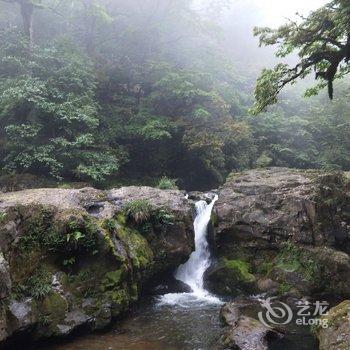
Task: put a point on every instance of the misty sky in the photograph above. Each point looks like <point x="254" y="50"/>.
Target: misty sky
<point x="274" y="12"/>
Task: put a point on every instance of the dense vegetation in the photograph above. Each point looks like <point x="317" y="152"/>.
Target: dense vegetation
<point x="129" y="92"/>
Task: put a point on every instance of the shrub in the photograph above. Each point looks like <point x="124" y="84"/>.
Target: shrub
<point x="38" y="285"/>
<point x="164" y="217"/>
<point x="167" y="184"/>
<point x="264" y="161"/>
<point x="138" y="211"/>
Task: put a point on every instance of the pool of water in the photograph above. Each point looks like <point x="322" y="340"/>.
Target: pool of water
<point x="173" y="322"/>
<point x="157" y="326"/>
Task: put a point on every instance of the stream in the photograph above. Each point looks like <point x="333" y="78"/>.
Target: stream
<point x="177" y="321"/>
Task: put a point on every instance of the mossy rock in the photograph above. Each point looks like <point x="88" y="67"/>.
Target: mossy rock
<point x="231" y="277"/>
<point x="335" y="335"/>
<point x="112" y="280"/>
<point x="138" y="247"/>
<point x="53" y="310"/>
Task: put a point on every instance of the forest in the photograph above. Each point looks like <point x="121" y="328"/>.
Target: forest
<point x="162" y="93"/>
<point x="174" y="175"/>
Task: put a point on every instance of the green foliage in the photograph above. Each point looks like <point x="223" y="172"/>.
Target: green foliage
<point x="3" y="217"/>
<point x="138" y="211"/>
<point x="41" y="231"/>
<point x="38" y="285"/>
<point x="69" y="262"/>
<point x="263" y="161"/>
<point x="289" y="257"/>
<point x="110" y="225"/>
<point x="323" y="45"/>
<point x="108" y="94"/>
<point x="293" y="258"/>
<point x="314" y="136"/>
<point x="167" y="184"/>
<point x="284" y="288"/>
<point x="163" y="217"/>
<point x="60" y="89"/>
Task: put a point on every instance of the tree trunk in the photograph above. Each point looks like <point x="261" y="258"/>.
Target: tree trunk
<point x="27" y="15"/>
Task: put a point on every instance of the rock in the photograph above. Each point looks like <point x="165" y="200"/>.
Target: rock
<point x="244" y="332"/>
<point x="291" y="225"/>
<point x="267" y="284"/>
<point x="335" y="334"/>
<point x="22" y="314"/>
<point x="18" y="182"/>
<point x="230" y="277"/>
<point x="264" y="207"/>
<point x="74" y="260"/>
<point x="5" y="280"/>
<point x="173" y="245"/>
<point x="171" y="285"/>
<point x="200" y="196"/>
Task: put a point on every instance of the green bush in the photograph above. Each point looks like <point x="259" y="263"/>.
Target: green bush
<point x="164" y="217"/>
<point x="138" y="211"/>
<point x="166" y="183"/>
<point x="38" y="285"/>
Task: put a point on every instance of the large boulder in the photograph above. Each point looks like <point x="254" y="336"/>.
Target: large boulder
<point x="243" y="332"/>
<point x="73" y="258"/>
<point x="230" y="277"/>
<point x="292" y="226"/>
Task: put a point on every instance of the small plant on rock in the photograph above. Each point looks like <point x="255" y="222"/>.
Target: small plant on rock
<point x="164" y="217"/>
<point x="166" y="183"/>
<point x="2" y="217"/>
<point x="139" y="211"/>
<point x="38" y="285"/>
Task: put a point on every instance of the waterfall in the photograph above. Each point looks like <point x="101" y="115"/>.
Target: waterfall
<point x="193" y="270"/>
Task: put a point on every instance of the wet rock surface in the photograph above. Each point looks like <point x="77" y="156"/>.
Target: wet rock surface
<point x="336" y="334"/>
<point x="291" y="226"/>
<point x="72" y="259"/>
<point x="244" y="332"/>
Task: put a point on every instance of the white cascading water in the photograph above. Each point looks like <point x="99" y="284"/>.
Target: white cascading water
<point x="192" y="272"/>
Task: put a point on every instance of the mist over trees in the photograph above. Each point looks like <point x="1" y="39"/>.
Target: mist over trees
<point x="112" y="92"/>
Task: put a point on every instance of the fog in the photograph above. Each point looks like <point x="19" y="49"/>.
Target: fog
<point x="113" y="90"/>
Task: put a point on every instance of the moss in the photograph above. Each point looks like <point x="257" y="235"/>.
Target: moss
<point x="284" y="288"/>
<point x="234" y="176"/>
<point x="112" y="280"/>
<point x="53" y="310"/>
<point x="291" y="258"/>
<point x="265" y="268"/>
<point x="138" y="247"/>
<point x="37" y="228"/>
<point x="214" y="218"/>
<point x="241" y="270"/>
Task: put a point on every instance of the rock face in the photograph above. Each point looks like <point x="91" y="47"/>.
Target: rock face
<point x="291" y="227"/>
<point x="243" y="332"/>
<point x="336" y="334"/>
<point x="230" y="277"/>
<point x="72" y="259"/>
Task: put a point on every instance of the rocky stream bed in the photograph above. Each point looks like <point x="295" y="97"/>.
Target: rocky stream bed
<point x="78" y="261"/>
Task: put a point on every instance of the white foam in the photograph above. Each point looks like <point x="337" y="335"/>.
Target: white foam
<point x="193" y="270"/>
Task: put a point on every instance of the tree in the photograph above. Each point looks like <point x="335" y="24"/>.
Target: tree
<point x="49" y="120"/>
<point x="27" y="8"/>
<point x="323" y="43"/>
